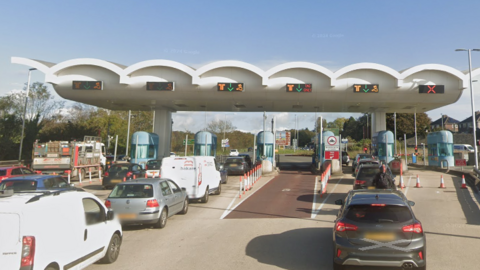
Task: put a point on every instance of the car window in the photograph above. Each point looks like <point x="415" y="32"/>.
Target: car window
<point x="154" y="164"/>
<point x="234" y="160"/>
<point x="367" y="173"/>
<point x="27" y="171"/>
<point x="94" y="212"/>
<point x="18" y="185"/>
<point x="165" y="188"/>
<point x="135" y="168"/>
<point x="118" y="168"/>
<point x="375" y="214"/>
<point x="59" y="182"/>
<point x="132" y="191"/>
<point x="174" y="187"/>
<point x="3" y="172"/>
<point x="16" y="171"/>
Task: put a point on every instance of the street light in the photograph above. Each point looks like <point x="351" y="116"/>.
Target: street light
<point x="442" y="120"/>
<point x="24" y="114"/>
<point x="472" y="101"/>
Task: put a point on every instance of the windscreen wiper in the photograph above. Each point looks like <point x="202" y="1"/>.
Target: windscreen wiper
<point x="385" y="220"/>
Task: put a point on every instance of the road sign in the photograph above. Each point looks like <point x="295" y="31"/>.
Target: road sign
<point x="344" y="140"/>
<point x="161" y="86"/>
<point x="365" y="88"/>
<point x="431" y="89"/>
<point x="332" y="143"/>
<point x="282" y="138"/>
<point x="87" y="85"/>
<point x="299" y="88"/>
<point x="190" y="142"/>
<point x="225" y="143"/>
<point x="230" y="87"/>
<point x="332" y="155"/>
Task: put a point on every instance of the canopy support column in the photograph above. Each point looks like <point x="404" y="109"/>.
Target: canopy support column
<point x="163" y="128"/>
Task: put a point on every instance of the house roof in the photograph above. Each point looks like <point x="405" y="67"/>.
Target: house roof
<point x="469" y="119"/>
<point x="446" y="120"/>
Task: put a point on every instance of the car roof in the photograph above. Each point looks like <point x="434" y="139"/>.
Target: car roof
<point x="389" y="197"/>
<point x="143" y="181"/>
<point x="35" y="177"/>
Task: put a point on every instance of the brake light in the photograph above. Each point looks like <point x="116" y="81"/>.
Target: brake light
<point x="416" y="228"/>
<point x="152" y="203"/>
<point x="339" y="252"/>
<point x="420" y="254"/>
<point x="28" y="251"/>
<point x="108" y="204"/>
<point x="106" y="174"/>
<point x="360" y="182"/>
<point x="129" y="174"/>
<point x="377" y="204"/>
<point x="341" y="227"/>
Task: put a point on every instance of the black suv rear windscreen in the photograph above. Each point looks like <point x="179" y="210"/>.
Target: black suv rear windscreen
<point x="154" y="164"/>
<point x="378" y="213"/>
<point x="367" y="173"/>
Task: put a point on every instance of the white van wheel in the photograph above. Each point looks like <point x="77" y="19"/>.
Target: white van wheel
<point x="219" y="190"/>
<point x="205" y="197"/>
<point x="113" y="249"/>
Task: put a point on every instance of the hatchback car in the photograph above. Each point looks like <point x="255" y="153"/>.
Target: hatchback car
<point x="345" y="158"/>
<point x="35" y="182"/>
<point x="378" y="228"/>
<point x="14" y="171"/>
<point x="120" y="172"/>
<point x="365" y="175"/>
<point x="153" y="168"/>
<point x="234" y="153"/>
<point x="358" y="157"/>
<point x="147" y="201"/>
<point x="366" y="161"/>
<point x="236" y="166"/>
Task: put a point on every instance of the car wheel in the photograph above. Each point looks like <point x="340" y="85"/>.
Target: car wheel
<point x="162" y="220"/>
<point x="205" y="197"/>
<point x="338" y="267"/>
<point x="185" y="207"/>
<point x="113" y="249"/>
<point x="51" y="268"/>
<point x="219" y="190"/>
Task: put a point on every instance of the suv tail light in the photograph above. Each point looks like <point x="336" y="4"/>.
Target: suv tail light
<point x="360" y="182"/>
<point x="146" y="167"/>
<point x="106" y="174"/>
<point x="28" y="251"/>
<point x="152" y="203"/>
<point x="129" y="174"/>
<point x="108" y="204"/>
<point x="342" y="226"/>
<point x="416" y="228"/>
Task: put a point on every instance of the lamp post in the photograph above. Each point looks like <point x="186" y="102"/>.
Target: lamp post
<point x="442" y="120"/>
<point x="472" y="101"/>
<point x="25" y="113"/>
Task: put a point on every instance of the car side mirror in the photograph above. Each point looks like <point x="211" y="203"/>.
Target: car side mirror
<point x="411" y="203"/>
<point x="184" y="189"/>
<point x="110" y="215"/>
<point x="339" y="202"/>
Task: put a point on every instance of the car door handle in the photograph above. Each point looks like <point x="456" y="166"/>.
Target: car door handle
<point x="85" y="235"/>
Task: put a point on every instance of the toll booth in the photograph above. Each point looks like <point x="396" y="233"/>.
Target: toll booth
<point x="321" y="147"/>
<point x="143" y="147"/>
<point x="440" y="149"/>
<point x="269" y="145"/>
<point x="384" y="145"/>
<point x="205" y="144"/>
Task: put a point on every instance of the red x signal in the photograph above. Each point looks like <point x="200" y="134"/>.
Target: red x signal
<point x="431" y="89"/>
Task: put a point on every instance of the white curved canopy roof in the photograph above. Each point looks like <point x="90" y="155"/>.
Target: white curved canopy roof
<point x="196" y="89"/>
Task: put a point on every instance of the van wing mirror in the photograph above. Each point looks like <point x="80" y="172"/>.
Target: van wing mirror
<point x="110" y="215"/>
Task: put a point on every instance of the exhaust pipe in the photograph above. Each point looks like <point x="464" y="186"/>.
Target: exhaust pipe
<point x="407" y="266"/>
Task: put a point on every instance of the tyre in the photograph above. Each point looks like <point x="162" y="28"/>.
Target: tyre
<point x="113" y="249"/>
<point x="205" y="197"/>
<point x="338" y="267"/>
<point x="51" y="268"/>
<point x="219" y="190"/>
<point x="162" y="220"/>
<point x="185" y="207"/>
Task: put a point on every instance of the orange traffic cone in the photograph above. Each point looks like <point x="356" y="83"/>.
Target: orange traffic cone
<point x="464" y="185"/>
<point x="124" y="179"/>
<point x="442" y="184"/>
<point x="146" y="175"/>
<point x="401" y="184"/>
<point x="418" y="182"/>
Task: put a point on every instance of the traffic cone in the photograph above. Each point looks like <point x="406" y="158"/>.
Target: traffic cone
<point x="442" y="184"/>
<point x="418" y="182"/>
<point x="464" y="185"/>
<point x="401" y="184"/>
<point x="124" y="179"/>
<point x="146" y="175"/>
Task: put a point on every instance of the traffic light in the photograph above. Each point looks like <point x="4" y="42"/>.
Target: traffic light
<point x="416" y="150"/>
<point x="365" y="149"/>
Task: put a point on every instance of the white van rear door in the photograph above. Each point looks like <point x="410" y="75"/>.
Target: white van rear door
<point x="10" y="241"/>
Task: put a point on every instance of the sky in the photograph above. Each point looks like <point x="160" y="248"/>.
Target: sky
<point x="334" y="34"/>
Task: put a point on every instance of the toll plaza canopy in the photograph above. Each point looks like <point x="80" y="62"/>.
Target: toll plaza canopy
<point x="243" y="87"/>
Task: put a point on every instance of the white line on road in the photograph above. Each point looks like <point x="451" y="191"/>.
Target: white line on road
<point x="408" y="185"/>
<point x="314" y="198"/>
<point x="228" y="210"/>
<point x="314" y="214"/>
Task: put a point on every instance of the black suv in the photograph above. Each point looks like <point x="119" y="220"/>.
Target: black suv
<point x="365" y="175"/>
<point x="378" y="228"/>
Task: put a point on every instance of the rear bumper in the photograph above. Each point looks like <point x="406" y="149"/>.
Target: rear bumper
<point x="231" y="171"/>
<point x="142" y="218"/>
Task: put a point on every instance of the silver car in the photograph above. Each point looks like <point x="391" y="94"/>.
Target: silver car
<point x="147" y="201"/>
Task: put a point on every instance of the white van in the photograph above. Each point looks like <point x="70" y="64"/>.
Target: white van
<point x="50" y="230"/>
<point x="463" y="147"/>
<point x="198" y="175"/>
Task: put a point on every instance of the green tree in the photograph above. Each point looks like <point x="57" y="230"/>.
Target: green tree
<point x="406" y="125"/>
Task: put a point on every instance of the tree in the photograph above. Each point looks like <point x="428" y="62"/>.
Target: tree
<point x="220" y="126"/>
<point x="406" y="125"/>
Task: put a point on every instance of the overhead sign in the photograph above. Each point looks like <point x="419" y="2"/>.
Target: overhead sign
<point x="161" y="86"/>
<point x="282" y="138"/>
<point x="365" y="88"/>
<point x="431" y="89"/>
<point x="190" y="142"/>
<point x="87" y="85"/>
<point x="332" y="144"/>
<point x="299" y="88"/>
<point x="332" y="155"/>
<point x="230" y="87"/>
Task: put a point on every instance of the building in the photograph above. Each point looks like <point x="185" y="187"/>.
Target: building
<point x="466" y="125"/>
<point x="445" y="123"/>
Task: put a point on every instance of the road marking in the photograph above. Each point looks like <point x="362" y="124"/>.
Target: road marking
<point x="314" y="197"/>
<point x="228" y="211"/>
<point x="315" y="213"/>
<point x="408" y="185"/>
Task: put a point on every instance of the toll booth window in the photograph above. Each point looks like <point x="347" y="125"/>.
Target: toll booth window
<point x="151" y="151"/>
<point x="445" y="149"/>
<point x="142" y="151"/>
<point x="432" y="150"/>
<point x="381" y="150"/>
<point x="268" y="150"/>
<point x="200" y="150"/>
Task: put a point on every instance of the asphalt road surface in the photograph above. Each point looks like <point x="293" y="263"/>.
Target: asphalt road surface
<point x="283" y="224"/>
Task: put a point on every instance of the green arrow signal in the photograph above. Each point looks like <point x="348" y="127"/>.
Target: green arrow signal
<point x="230" y="88"/>
<point x="87" y="86"/>
<point x="365" y="89"/>
<point x="299" y="88"/>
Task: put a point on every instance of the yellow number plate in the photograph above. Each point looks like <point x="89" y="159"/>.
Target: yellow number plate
<point x="116" y="181"/>
<point x="371" y="187"/>
<point x="127" y="216"/>
<point x="233" y="165"/>
<point x="380" y="236"/>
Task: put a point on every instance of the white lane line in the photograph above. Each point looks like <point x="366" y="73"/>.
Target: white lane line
<point x="228" y="210"/>
<point x="314" y="198"/>
<point x="408" y="185"/>
<point x="323" y="203"/>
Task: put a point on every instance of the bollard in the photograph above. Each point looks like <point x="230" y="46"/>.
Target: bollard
<point x="124" y="179"/>
<point x="442" y="184"/>
<point x="68" y="175"/>
<point x="90" y="174"/>
<point x="418" y="182"/>
<point x="80" y="176"/>
<point x="134" y="176"/>
<point x="146" y="176"/>
<point x="100" y="174"/>
<point x="240" y="193"/>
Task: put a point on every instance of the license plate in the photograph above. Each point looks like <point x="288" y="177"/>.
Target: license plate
<point x="380" y="236"/>
<point x="233" y="165"/>
<point x="116" y="181"/>
<point x="371" y="187"/>
<point x="127" y="216"/>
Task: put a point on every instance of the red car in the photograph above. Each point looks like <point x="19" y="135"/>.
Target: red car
<point x="14" y="171"/>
